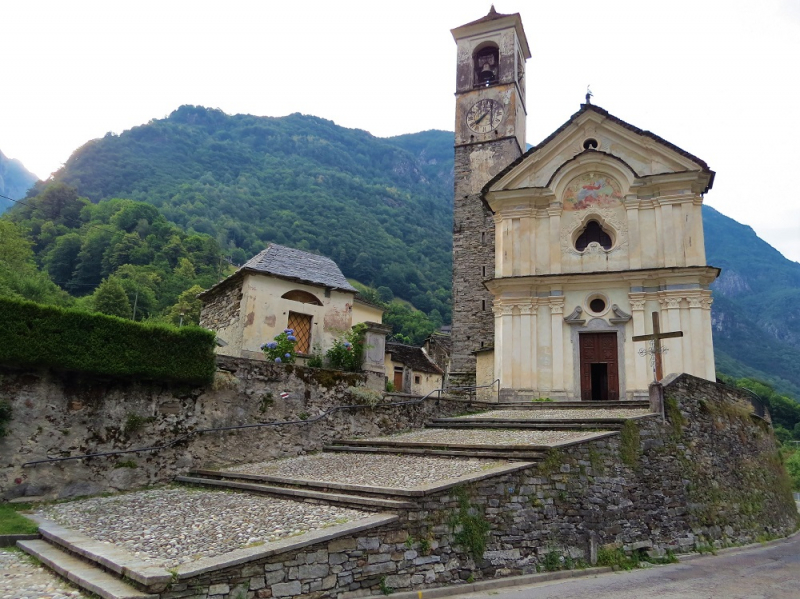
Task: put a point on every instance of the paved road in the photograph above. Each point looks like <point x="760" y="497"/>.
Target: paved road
<point x="771" y="572"/>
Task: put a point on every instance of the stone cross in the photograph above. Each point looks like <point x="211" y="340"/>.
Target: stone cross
<point x="656" y="349"/>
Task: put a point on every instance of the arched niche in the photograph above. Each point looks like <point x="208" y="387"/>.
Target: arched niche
<point x="304" y="297"/>
<point x="486" y="64"/>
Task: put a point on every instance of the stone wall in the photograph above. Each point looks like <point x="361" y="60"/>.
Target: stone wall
<point x="221" y="308"/>
<point x="709" y="475"/>
<point x="474" y="252"/>
<point x="61" y="415"/>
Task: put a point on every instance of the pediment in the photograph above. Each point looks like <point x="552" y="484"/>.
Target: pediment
<point x="593" y="137"/>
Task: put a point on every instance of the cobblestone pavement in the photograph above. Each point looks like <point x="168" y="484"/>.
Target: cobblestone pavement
<point x="455" y="437"/>
<point x="20" y="578"/>
<point x="172" y="526"/>
<point x="560" y="413"/>
<point x="395" y="471"/>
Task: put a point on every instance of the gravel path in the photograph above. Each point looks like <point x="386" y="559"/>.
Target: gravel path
<point x="395" y="471"/>
<point x="21" y="579"/>
<point x="487" y="436"/>
<point x="560" y="414"/>
<point x="172" y="526"/>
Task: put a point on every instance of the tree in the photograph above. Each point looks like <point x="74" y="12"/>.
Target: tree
<point x="188" y="305"/>
<point x="62" y="258"/>
<point x="110" y="298"/>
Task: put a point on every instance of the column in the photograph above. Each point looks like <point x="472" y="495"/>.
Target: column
<point x="506" y="350"/>
<point x="527" y="339"/>
<point x="526" y="250"/>
<point x="557" y="340"/>
<point x="498" y="246"/>
<point x="516" y="243"/>
<point x="643" y="373"/>
<point x="516" y="345"/>
<point x="545" y="349"/>
<point x="671" y="321"/>
<point x="554" y="214"/>
<point x="710" y="364"/>
<point x="667" y="239"/>
<point x="696" y="336"/>
<point x="634" y="237"/>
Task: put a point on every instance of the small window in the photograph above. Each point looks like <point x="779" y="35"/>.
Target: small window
<point x="304" y="297"/>
<point x="483" y="270"/>
<point x="483" y="237"/>
<point x="590" y="144"/>
<point x="487" y="66"/>
<point x="593" y="233"/>
<point x="483" y="305"/>
<point x="597" y="305"/>
<point x="301" y="325"/>
<point x="417" y="379"/>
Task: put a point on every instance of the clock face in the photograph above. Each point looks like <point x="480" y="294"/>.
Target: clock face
<point x="484" y="116"/>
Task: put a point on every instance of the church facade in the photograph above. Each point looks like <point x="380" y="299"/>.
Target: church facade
<point x="563" y="253"/>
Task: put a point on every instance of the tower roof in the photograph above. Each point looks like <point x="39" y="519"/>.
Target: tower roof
<point x="492" y="22"/>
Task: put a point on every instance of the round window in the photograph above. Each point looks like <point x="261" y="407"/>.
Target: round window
<point x="597" y="305"/>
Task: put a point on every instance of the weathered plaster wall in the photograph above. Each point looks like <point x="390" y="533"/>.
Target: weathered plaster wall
<point x="58" y="415"/>
<point x="708" y="476"/>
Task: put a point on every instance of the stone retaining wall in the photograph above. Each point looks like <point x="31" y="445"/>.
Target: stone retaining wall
<point x="709" y="475"/>
<point x="61" y="415"/>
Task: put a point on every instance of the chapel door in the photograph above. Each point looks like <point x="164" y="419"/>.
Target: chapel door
<point x="599" y="367"/>
<point x="301" y="325"/>
<point x="398" y="379"/>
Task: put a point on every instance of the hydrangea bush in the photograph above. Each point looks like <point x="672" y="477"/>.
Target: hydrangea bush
<point x="347" y="352"/>
<point x="281" y="349"/>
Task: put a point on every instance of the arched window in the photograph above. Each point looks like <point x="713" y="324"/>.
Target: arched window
<point x="487" y="66"/>
<point x="304" y="297"/>
<point x="593" y="232"/>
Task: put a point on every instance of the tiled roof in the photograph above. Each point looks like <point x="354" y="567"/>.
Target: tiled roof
<point x="412" y="356"/>
<point x="289" y="263"/>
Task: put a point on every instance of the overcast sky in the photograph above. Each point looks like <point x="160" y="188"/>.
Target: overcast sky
<point x="720" y="79"/>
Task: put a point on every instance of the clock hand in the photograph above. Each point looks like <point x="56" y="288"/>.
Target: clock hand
<point x="480" y="118"/>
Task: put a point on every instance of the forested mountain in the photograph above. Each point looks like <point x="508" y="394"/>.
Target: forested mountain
<point x="15" y="180"/>
<point x="370" y="204"/>
<point x="382" y="208"/>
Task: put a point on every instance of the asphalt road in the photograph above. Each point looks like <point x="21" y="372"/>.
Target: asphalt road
<point x="768" y="572"/>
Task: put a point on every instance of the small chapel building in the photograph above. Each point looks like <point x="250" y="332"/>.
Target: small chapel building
<point x="563" y="252"/>
<point x="280" y="288"/>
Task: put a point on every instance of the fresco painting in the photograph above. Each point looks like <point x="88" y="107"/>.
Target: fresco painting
<point x="591" y="190"/>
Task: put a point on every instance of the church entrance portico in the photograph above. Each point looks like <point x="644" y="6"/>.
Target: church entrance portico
<point x="599" y="367"/>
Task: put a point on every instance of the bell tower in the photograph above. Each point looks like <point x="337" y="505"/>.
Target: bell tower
<point x="489" y="135"/>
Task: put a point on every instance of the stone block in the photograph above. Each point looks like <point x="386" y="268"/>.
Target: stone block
<point x="368" y="543"/>
<point x="275" y="577"/>
<point x="287" y="589"/>
<point x="342" y="544"/>
<point x="398" y="581"/>
<point x="337" y="558"/>
<point x="257" y="582"/>
<point x="383" y="568"/>
<point x="219" y="589"/>
<point x="313" y="571"/>
<point x="377" y="558"/>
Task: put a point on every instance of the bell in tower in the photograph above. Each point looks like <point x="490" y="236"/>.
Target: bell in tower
<point x="487" y="65"/>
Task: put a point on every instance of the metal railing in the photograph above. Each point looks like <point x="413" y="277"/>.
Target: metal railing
<point x="759" y="405"/>
<point x="202" y="431"/>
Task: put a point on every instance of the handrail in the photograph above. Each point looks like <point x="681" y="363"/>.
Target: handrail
<point x="759" y="405"/>
<point x="245" y="426"/>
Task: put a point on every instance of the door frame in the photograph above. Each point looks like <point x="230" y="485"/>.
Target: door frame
<point x="587" y="366"/>
<point x="597" y="325"/>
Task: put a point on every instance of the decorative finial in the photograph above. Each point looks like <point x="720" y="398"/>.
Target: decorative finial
<point x="589" y="94"/>
<point x="492" y="11"/>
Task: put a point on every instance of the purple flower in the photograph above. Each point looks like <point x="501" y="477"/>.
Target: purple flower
<point x="272" y="345"/>
<point x="287" y="355"/>
<point x="292" y="338"/>
<point x="288" y="331"/>
<point x="278" y="360"/>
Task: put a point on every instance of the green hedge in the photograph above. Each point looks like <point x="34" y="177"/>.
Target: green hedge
<point x="37" y="335"/>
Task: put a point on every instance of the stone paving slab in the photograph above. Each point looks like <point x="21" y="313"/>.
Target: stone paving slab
<point x="485" y="437"/>
<point x="558" y="414"/>
<point x="370" y="470"/>
<point x="20" y="578"/>
<point x="172" y="526"/>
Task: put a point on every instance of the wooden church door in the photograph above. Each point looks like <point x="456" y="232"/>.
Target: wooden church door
<point x="599" y="367"/>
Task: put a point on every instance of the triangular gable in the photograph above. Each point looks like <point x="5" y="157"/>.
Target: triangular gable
<point x="641" y="152"/>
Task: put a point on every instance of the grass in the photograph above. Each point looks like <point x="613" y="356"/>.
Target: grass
<point x="13" y="523"/>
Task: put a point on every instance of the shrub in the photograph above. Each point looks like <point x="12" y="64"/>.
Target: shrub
<point x="281" y="349"/>
<point x="5" y="417"/>
<point x="35" y="335"/>
<point x="347" y="352"/>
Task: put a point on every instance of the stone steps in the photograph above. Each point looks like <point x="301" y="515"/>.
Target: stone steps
<point x="585" y="405"/>
<point x="299" y="483"/>
<point x="82" y="573"/>
<point x="508" y="452"/>
<point x="549" y="424"/>
<point x="296" y="492"/>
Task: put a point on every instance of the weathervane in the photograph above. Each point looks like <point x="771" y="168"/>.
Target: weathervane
<point x="589" y="94"/>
